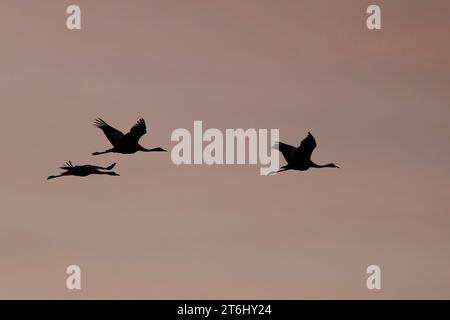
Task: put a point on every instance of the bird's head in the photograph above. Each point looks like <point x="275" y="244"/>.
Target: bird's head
<point x="112" y="173"/>
<point x="332" y="165"/>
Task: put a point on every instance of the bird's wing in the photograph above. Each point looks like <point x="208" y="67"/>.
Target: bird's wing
<point x="67" y="166"/>
<point x="286" y="149"/>
<point x="137" y="131"/>
<point x="114" y="136"/>
<point x="306" y="147"/>
<point x="106" y="168"/>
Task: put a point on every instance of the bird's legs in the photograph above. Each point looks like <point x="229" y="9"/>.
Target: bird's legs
<point x="102" y="152"/>
<point x="52" y="177"/>
<point x="280" y="170"/>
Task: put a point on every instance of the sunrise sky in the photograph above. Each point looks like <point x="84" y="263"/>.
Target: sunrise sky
<point x="376" y="101"/>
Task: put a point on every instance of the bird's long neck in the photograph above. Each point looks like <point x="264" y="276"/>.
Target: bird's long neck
<point x="158" y="149"/>
<point x="315" y="165"/>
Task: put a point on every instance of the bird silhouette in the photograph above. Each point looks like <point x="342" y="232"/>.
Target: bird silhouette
<point x="84" y="170"/>
<point x="300" y="158"/>
<point x="124" y="143"/>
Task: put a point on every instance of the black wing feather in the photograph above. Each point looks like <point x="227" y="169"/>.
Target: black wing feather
<point x="306" y="148"/>
<point x="287" y="150"/>
<point x="114" y="136"/>
<point x="67" y="166"/>
<point x="137" y="131"/>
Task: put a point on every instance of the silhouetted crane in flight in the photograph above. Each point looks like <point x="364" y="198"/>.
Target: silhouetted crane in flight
<point x="300" y="158"/>
<point x="124" y="143"/>
<point x="83" y="171"/>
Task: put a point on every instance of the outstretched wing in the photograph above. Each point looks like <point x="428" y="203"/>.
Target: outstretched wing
<point x="67" y="166"/>
<point x="287" y="150"/>
<point x="114" y="136"/>
<point x="106" y="168"/>
<point x="137" y="131"/>
<point x="306" y="148"/>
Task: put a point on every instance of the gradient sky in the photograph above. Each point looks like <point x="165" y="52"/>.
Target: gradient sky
<point x="377" y="103"/>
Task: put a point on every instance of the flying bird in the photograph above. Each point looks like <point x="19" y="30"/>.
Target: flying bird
<point x="300" y="158"/>
<point x="84" y="170"/>
<point x="124" y="143"/>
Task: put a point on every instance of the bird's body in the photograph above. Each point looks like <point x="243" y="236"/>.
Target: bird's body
<point x="300" y="158"/>
<point x="84" y="170"/>
<point x="124" y="143"/>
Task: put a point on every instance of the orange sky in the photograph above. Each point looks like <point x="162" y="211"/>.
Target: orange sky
<point x="377" y="103"/>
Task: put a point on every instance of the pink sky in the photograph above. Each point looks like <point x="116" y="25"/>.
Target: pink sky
<point x="377" y="103"/>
